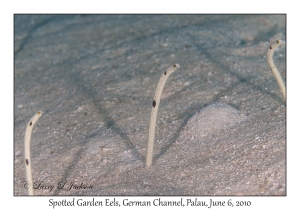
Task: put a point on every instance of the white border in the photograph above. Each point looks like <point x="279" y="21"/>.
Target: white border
<point x="8" y="8"/>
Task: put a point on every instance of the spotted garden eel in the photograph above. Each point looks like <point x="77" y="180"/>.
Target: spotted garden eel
<point x="274" y="69"/>
<point x="155" y="104"/>
<point x="28" y="132"/>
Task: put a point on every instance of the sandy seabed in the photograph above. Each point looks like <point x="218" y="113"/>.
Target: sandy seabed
<point x="221" y="127"/>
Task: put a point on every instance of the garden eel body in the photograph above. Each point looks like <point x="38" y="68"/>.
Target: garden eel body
<point x="153" y="117"/>
<point x="275" y="71"/>
<point x="28" y="132"/>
